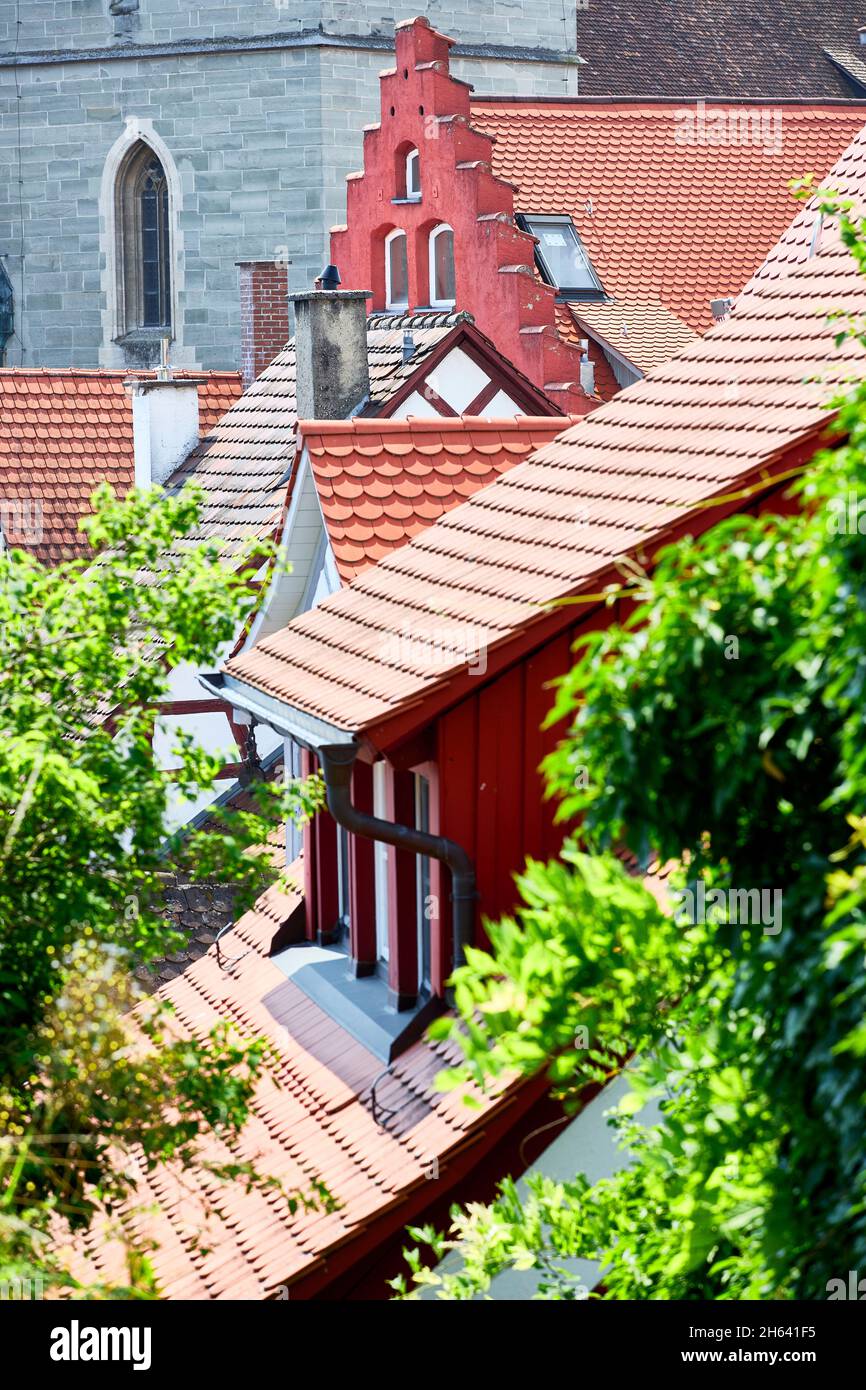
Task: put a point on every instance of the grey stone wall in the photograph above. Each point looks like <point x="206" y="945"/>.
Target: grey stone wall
<point x="261" y="142"/>
<point x="55" y="25"/>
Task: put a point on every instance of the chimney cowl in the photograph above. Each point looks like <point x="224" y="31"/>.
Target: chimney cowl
<point x="329" y="279"/>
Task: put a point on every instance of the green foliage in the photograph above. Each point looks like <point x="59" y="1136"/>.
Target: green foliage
<point x="742" y="762"/>
<point x="85" y="829"/>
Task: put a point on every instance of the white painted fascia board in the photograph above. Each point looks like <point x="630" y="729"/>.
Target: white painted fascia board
<point x="285" y="546"/>
<point x="307" y="730"/>
<point x="601" y="341"/>
<point x="331" y="572"/>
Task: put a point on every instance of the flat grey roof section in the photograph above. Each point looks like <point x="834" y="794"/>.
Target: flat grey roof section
<point x="587" y="1145"/>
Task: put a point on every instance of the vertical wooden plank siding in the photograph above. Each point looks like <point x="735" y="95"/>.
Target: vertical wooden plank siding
<point x="456" y="755"/>
<point x="500" y="777"/>
<point x="309" y="765"/>
<point x="362" y="882"/>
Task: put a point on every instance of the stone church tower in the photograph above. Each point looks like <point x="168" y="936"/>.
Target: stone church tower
<point x="148" y="146"/>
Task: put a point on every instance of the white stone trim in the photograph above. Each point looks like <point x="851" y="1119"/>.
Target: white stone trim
<point x="138" y="130"/>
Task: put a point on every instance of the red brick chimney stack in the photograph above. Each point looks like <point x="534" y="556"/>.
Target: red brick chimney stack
<point x="264" y="287"/>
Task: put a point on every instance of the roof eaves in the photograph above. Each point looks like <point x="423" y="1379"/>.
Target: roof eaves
<point x="308" y="730"/>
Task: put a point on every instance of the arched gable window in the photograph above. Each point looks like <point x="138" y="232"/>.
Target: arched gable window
<point x="407" y="173"/>
<point x="413" y="174"/>
<point x="396" y="270"/>
<point x="144" y="242"/>
<point x="441" y="261"/>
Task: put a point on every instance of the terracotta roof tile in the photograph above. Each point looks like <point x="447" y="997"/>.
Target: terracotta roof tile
<point x="727" y="407"/>
<point x="311" y="1118"/>
<point x="62" y="432"/>
<point x="243" y="468"/>
<point x="666" y="223"/>
<point x="439" y="463"/>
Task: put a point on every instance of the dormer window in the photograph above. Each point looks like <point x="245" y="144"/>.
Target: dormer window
<point x="413" y="175"/>
<point x="561" y="257"/>
<point x="396" y="271"/>
<point x="442" y="290"/>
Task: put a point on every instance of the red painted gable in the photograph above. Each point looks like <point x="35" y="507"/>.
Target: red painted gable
<point x="425" y="108"/>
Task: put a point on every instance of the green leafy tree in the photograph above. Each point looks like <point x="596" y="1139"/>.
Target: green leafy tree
<point x="85" y="830"/>
<point x="742" y="765"/>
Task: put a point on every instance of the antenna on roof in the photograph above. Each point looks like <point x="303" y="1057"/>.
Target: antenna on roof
<point x="163" y="371"/>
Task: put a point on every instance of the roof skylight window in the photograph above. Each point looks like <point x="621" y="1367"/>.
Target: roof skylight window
<point x="561" y="256"/>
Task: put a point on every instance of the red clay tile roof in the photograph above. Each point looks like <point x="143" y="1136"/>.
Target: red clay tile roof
<point x="729" y="406"/>
<point x="646" y="334"/>
<point x="380" y="482"/>
<point x="749" y="48"/>
<point x="671" y="223"/>
<point x="311" y="1118"/>
<point x="62" y="433"/>
<point x="244" y="467"/>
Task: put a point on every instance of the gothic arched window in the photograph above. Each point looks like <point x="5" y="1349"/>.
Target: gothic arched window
<point x="144" y="242"/>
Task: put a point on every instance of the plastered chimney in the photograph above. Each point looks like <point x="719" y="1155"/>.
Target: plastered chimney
<point x="165" y="425"/>
<point x="333" y="375"/>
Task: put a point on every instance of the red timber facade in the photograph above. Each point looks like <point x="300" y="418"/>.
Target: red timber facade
<point x="436" y="664"/>
<point x="428" y="224"/>
<point x="433" y="662"/>
<point x="477" y="749"/>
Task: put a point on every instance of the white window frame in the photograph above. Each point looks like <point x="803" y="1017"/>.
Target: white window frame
<point x="390" y="303"/>
<point x="431" y="267"/>
<point x="413" y="194"/>
<point x="422" y="822"/>
<point x="380" y="866"/>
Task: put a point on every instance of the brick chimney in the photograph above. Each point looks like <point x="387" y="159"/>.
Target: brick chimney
<point x="332" y="371"/>
<point x="264" y="287"/>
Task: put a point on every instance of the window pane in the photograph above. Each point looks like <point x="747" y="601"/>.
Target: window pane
<point x="563" y="255"/>
<point x="153" y="221"/>
<point x="443" y="263"/>
<point x="413" y="170"/>
<point x="398" y="271"/>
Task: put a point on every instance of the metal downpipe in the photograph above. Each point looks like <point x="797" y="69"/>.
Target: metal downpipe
<point x="337" y="761"/>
